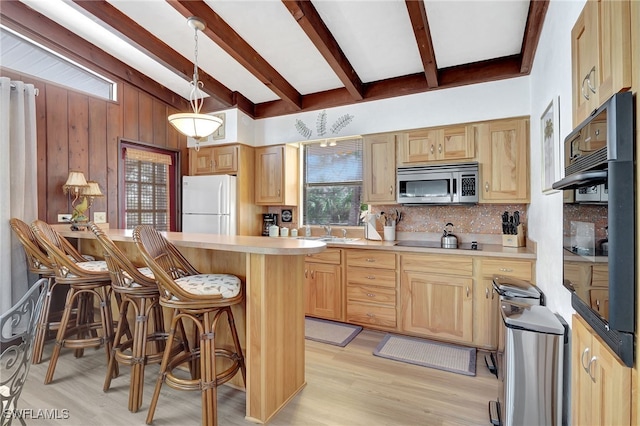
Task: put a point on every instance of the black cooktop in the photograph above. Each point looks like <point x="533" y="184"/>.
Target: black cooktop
<point x="436" y="244"/>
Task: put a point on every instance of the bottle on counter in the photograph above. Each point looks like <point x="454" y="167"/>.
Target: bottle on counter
<point x="284" y="231"/>
<point x="274" y="231"/>
<point x="294" y="232"/>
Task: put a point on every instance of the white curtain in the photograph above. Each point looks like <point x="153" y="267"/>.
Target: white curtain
<point x="18" y="183"/>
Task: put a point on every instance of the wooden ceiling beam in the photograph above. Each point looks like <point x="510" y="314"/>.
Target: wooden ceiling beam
<point x="420" y="24"/>
<point x="136" y="35"/>
<point x="231" y="42"/>
<point x="314" y="27"/>
<point x="532" y="31"/>
<point x="26" y="21"/>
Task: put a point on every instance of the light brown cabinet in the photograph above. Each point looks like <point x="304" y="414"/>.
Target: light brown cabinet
<point x="323" y="285"/>
<point x="600" y="55"/>
<point x="210" y="160"/>
<point x="600" y="382"/>
<point x="591" y="283"/>
<point x="449" y="143"/>
<point x="276" y="182"/>
<point x="371" y="288"/>
<point x="504" y="160"/>
<point x="437" y="296"/>
<point x="379" y="169"/>
<point x="486" y="315"/>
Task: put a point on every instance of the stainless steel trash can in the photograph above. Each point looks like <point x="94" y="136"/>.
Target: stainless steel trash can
<point x="531" y="368"/>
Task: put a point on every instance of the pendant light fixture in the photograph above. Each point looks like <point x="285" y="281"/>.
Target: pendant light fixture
<point x="193" y="124"/>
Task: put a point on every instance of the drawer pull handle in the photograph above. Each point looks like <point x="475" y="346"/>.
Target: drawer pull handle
<point x="371" y="295"/>
<point x="506" y="269"/>
<point x="486" y="293"/>
<point x="370" y="259"/>
<point x="370" y="315"/>
<point x="371" y="277"/>
<point x="306" y="273"/>
<point x="467" y="291"/>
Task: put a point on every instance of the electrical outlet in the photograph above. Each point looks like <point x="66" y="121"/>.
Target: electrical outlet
<point x="100" y="217"/>
<point x="64" y="217"/>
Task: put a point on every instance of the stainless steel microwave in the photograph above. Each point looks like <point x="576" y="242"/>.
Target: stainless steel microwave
<point x="438" y="184"/>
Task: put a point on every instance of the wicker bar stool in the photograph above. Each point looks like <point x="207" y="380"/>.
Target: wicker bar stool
<point x="139" y="295"/>
<point x="201" y="299"/>
<point x="87" y="281"/>
<point x="39" y="263"/>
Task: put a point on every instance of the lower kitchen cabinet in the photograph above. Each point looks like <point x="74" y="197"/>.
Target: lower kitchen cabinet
<point x="600" y="382"/>
<point x="371" y="288"/>
<point x="486" y="314"/>
<point x="437" y="296"/>
<point x="323" y="285"/>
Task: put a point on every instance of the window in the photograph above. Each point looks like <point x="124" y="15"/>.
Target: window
<point x="148" y="174"/>
<point x="26" y="56"/>
<point x="332" y="183"/>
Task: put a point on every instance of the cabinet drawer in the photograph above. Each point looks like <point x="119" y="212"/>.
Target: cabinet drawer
<point x="367" y="293"/>
<point x="600" y="276"/>
<point x="507" y="267"/>
<point x="449" y="265"/>
<point x="330" y="255"/>
<point x="372" y="276"/>
<point x="371" y="259"/>
<point x="366" y="314"/>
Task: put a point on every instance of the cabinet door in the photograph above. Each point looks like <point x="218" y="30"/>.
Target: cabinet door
<point x="457" y="143"/>
<point x="584" y="53"/>
<point x="611" y="387"/>
<point x="504" y="165"/>
<point x="485" y="320"/>
<point x="437" y="305"/>
<point x="614" y="42"/>
<point x="201" y="161"/>
<point x="379" y="169"/>
<point x="323" y="295"/>
<point x="269" y="175"/>
<point x="580" y="380"/>
<point x="225" y="159"/>
<point x="422" y="145"/>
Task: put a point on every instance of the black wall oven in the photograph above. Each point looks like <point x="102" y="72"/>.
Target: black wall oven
<point x="599" y="222"/>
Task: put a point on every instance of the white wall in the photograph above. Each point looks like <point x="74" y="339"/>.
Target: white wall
<point x="551" y="77"/>
<point x="499" y="99"/>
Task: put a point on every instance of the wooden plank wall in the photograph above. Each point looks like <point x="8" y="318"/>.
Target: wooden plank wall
<point x="77" y="131"/>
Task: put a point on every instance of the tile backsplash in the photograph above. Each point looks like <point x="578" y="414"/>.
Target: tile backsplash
<point x="466" y="219"/>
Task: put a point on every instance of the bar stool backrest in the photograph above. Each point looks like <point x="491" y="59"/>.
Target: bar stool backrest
<point x="124" y="274"/>
<point x="37" y="260"/>
<point x="167" y="264"/>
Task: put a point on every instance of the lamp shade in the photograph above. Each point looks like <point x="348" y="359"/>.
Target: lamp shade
<point x="196" y="126"/>
<point x="92" y="189"/>
<point x="75" y="180"/>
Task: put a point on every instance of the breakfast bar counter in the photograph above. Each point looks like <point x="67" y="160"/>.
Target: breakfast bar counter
<point x="271" y="321"/>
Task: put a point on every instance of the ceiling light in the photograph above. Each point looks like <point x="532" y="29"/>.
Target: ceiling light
<point x="332" y="142"/>
<point x="193" y="124"/>
<point x="323" y="144"/>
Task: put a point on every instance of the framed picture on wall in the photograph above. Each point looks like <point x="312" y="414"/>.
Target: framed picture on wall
<point x="550" y="142"/>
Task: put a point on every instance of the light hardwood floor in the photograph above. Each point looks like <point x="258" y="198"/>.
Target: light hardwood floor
<point x="345" y="386"/>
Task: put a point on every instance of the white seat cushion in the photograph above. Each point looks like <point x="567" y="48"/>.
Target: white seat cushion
<point x="226" y="285"/>
<point x="144" y="271"/>
<point x="94" y="266"/>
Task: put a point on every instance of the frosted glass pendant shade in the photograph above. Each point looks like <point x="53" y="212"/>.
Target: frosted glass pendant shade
<point x="196" y="126"/>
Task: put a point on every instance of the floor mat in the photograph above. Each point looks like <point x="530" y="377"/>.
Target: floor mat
<point x="333" y="333"/>
<point x="443" y="356"/>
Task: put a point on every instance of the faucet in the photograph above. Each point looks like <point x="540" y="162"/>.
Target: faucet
<point x="327" y="230"/>
<point x="344" y="233"/>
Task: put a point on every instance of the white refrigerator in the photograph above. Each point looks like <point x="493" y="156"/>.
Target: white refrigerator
<point x="209" y="204"/>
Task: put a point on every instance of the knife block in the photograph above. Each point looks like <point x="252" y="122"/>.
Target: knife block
<point x="517" y="240"/>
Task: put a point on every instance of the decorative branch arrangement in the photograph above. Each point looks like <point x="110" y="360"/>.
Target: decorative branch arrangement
<point x="321" y="125"/>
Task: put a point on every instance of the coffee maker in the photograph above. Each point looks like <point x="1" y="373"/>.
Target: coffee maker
<point x="268" y="219"/>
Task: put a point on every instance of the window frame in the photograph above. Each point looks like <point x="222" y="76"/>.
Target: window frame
<point x="174" y="179"/>
<point x="304" y="185"/>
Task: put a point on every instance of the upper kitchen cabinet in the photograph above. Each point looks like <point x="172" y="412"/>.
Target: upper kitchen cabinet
<point x="276" y="180"/>
<point x="210" y="160"/>
<point x="600" y="55"/>
<point x="379" y="168"/>
<point x="503" y="147"/>
<point x="451" y="143"/>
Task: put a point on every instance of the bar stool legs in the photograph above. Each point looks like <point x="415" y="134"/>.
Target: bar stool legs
<point x="147" y="315"/>
<point x="203" y="352"/>
<point x="84" y="327"/>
